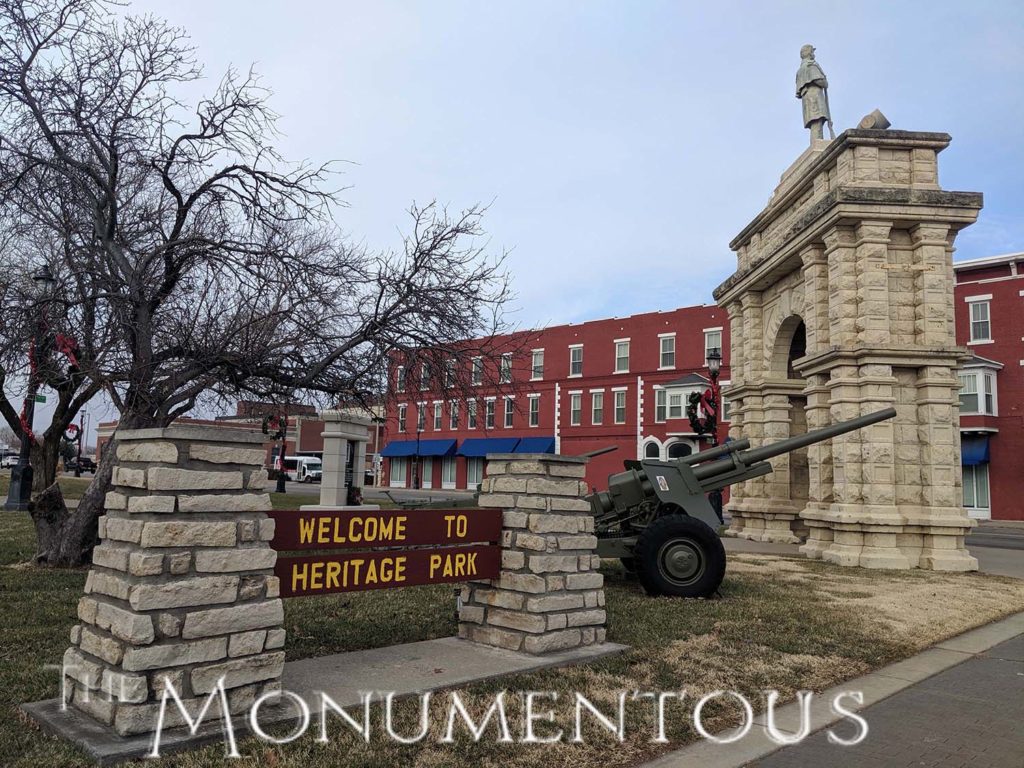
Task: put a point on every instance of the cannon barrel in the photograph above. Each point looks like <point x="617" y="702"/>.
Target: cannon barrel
<point x="755" y="455"/>
<point x="714" y="453"/>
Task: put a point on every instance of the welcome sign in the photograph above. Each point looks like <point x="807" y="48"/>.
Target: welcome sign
<point x="396" y="548"/>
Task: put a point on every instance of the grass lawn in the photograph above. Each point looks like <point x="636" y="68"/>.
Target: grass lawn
<point x="782" y="624"/>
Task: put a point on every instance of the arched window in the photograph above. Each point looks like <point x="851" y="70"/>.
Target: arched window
<point x="652" y="451"/>
<point x="679" y="450"/>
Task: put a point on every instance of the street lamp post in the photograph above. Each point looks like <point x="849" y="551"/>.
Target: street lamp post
<point x="20" y="491"/>
<point x="416" y="466"/>
<point x="714" y="361"/>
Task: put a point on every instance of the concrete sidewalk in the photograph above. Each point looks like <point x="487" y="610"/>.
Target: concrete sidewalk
<point x="1007" y="560"/>
<point x="960" y="703"/>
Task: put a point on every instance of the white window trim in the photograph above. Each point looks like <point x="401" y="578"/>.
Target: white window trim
<point x="971" y="300"/>
<point x="674" y="351"/>
<point x="979" y="376"/>
<point x="400" y="378"/>
<point x="571" y="374"/>
<point x="657" y="389"/>
<point x="592" y="393"/>
<point x="615" y="350"/>
<point x="575" y="393"/>
<point x="984" y="297"/>
<point x="472" y="371"/>
<point x="533" y="398"/>
<point x="501" y="368"/>
<point x="472" y="411"/>
<point x="615" y="406"/>
<point x="449" y="484"/>
<point x="532" y="377"/>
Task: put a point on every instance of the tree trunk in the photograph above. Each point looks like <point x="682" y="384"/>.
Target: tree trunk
<point x="44" y="460"/>
<point x="75" y="535"/>
<point x="50" y="514"/>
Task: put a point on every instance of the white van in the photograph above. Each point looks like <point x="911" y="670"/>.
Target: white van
<point x="303" y="469"/>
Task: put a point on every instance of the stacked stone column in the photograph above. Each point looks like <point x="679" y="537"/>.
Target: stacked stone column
<point x="182" y="588"/>
<point x="549" y="596"/>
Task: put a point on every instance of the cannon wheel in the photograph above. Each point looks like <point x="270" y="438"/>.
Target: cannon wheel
<point x="680" y="556"/>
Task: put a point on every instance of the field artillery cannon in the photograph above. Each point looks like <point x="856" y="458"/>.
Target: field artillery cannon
<point x="656" y="517"/>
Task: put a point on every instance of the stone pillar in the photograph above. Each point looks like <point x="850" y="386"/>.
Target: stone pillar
<point x="182" y="586"/>
<point x="550" y="595"/>
<point x="819" y="467"/>
<point x="341" y="428"/>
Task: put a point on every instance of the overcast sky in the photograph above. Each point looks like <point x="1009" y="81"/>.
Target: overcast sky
<point x="621" y="144"/>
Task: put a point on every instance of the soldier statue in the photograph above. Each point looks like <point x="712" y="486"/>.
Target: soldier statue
<point x="812" y="90"/>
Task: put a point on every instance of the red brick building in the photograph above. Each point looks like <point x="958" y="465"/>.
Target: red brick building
<point x="570" y="389"/>
<point x="989" y="296"/>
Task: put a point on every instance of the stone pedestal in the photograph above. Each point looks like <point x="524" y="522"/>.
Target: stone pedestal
<point x="182" y="588"/>
<point x="853" y="257"/>
<point x="549" y="596"/>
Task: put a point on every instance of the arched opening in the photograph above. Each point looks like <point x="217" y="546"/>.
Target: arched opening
<point x="679" y="450"/>
<point x="790" y="345"/>
<point x="652" y="451"/>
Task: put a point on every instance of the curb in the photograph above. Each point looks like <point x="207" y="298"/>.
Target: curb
<point x="876" y="686"/>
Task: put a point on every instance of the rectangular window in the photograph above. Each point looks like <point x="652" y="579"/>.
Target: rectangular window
<point x="438" y="417"/>
<point x="477" y="376"/>
<point x="506" y="368"/>
<point x="712" y="340"/>
<point x="449" y="374"/>
<point x="537" y="365"/>
<point x="510" y="409"/>
<point x="398" y="473"/>
<point x="990" y="393"/>
<point x="402" y="411"/>
<point x="620" y="407"/>
<point x="425" y="376"/>
<point x="535" y="411"/>
<point x="400" y="379"/>
<point x="448" y="472"/>
<point x="660" y="405"/>
<point x="622" y="356"/>
<point x="453" y="414"/>
<point x="471" y="414"/>
<point x="474" y="473"/>
<point x="421" y="417"/>
<point x="976" y="487"/>
<point x="675" y="405"/>
<point x="489" y="414"/>
<point x="596" y="407"/>
<point x="981" y="327"/>
<point x="576" y="360"/>
<point x="575" y="409"/>
<point x="725" y="408"/>
<point x="668" y="352"/>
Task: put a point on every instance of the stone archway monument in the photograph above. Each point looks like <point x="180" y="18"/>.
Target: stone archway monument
<point x="854" y="253"/>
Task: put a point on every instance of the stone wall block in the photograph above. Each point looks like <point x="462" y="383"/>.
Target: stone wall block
<point x="225" y="454"/>
<point x="151" y="452"/>
<point x="174" y="479"/>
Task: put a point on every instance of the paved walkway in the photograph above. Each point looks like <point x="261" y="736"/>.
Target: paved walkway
<point x="969" y="715"/>
<point x="956" y="705"/>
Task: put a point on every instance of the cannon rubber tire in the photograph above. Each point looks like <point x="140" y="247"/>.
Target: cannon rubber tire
<point x="699" y="558"/>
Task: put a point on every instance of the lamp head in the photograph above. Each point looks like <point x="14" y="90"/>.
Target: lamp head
<point x="714" y="361"/>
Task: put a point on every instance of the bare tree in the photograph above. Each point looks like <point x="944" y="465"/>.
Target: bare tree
<point x="200" y="263"/>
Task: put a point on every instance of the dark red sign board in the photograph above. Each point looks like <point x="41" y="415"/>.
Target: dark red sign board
<point x="350" y="529"/>
<point x="385" y="569"/>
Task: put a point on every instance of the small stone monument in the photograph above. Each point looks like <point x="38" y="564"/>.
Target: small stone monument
<point x="344" y="434"/>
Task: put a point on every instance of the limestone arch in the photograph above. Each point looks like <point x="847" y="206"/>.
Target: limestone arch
<point x="790" y="344"/>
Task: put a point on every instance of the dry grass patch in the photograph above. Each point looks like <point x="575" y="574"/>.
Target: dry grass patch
<point x="783" y="624"/>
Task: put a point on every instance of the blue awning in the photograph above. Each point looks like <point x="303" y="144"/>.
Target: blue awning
<point x="436" y="447"/>
<point x="974" y="450"/>
<point x="476" y="447"/>
<point x="536" y="445"/>
<point x="399" y="448"/>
